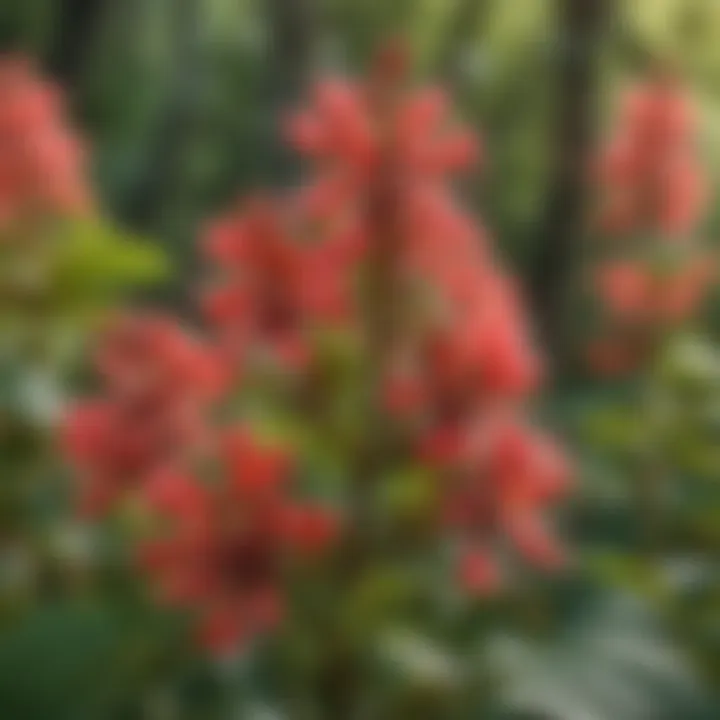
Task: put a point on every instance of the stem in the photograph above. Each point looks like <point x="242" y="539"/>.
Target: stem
<point x="581" y="30"/>
<point x="381" y="302"/>
<point x="342" y="683"/>
<point x="647" y="500"/>
<point x="651" y="475"/>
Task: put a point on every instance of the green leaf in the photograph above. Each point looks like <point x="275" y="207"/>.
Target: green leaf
<point x="53" y="662"/>
<point x="618" y="428"/>
<point x="611" y="661"/>
<point x="409" y="492"/>
<point x="94" y="260"/>
<point x="418" y="659"/>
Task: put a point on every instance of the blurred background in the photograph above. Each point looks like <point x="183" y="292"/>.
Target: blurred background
<point x="180" y="102"/>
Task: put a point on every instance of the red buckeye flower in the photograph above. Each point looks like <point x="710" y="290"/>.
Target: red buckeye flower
<point x="41" y="160"/>
<point x="224" y="546"/>
<point x="373" y="244"/>
<point x="518" y="476"/>
<point x="157" y="383"/>
<point x="653" y="183"/>
<point x="652" y="188"/>
<point x="271" y="289"/>
<point x="384" y="157"/>
<point x="636" y="293"/>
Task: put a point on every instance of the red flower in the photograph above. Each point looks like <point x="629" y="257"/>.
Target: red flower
<point x="635" y="293"/>
<point x="476" y="360"/>
<point x="650" y="175"/>
<point x="227" y="543"/>
<point x="478" y="572"/>
<point x="519" y="475"/>
<point x="158" y="381"/>
<point x="41" y="166"/>
<point x="434" y="313"/>
<point x="344" y="133"/>
<point x="653" y="187"/>
<point x="626" y="288"/>
<point x="341" y="127"/>
<point x="613" y="356"/>
<point x="273" y="289"/>
<point x="384" y="158"/>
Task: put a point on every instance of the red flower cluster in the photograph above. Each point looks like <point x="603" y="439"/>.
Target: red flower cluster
<point x="384" y="157"/>
<point x="522" y="472"/>
<point x="273" y="290"/>
<point x="470" y="363"/>
<point x="227" y="542"/>
<point x="433" y="312"/>
<point x="343" y="134"/>
<point x="653" y="189"/>
<point x="654" y="184"/>
<point x="41" y="169"/>
<point x="157" y="382"/>
<point x="666" y="296"/>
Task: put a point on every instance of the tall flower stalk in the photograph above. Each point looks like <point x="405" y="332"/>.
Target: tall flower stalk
<point x="368" y="312"/>
<point x="655" y="274"/>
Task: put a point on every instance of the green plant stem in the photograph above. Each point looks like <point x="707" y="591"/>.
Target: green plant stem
<point x="651" y="473"/>
<point x="380" y="303"/>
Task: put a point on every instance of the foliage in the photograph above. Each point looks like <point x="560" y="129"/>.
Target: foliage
<point x="181" y="102"/>
<point x="62" y="267"/>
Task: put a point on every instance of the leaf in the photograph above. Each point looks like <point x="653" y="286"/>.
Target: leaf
<point x="612" y="662"/>
<point x="94" y="260"/>
<point x="419" y="659"/>
<point x="53" y="662"/>
<point x="409" y="492"/>
<point x="85" y="659"/>
<point x="692" y="360"/>
<point x="618" y="428"/>
<point x="635" y="573"/>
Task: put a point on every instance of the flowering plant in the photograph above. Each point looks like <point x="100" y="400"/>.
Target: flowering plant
<point x="358" y="401"/>
<point x="653" y="193"/>
<point x="652" y="287"/>
<point x="60" y="266"/>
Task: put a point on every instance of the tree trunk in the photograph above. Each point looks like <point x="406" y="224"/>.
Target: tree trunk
<point x="581" y="26"/>
<point x="75" y="22"/>
<point x="165" y="156"/>
<point x="292" y="37"/>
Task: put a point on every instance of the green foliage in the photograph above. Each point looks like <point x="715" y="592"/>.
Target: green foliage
<point x="599" y="656"/>
<point x="95" y="262"/>
<point x="610" y="661"/>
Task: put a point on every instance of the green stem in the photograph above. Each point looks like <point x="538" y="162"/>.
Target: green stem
<point x="651" y="475"/>
<point x="342" y="681"/>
